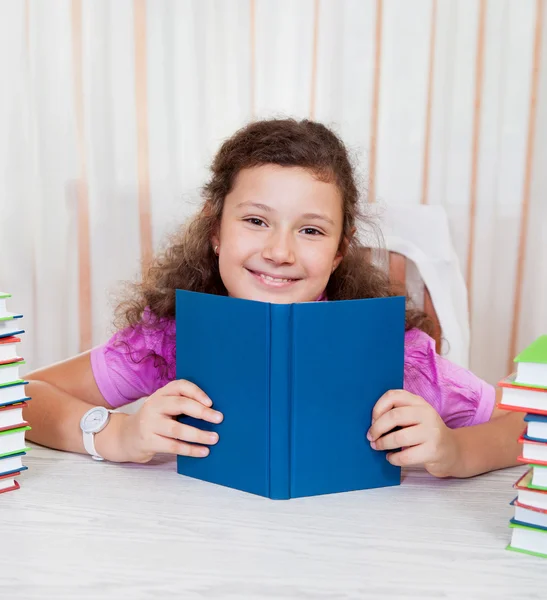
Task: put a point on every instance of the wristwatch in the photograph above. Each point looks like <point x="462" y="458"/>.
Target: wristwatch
<point x="93" y="421"/>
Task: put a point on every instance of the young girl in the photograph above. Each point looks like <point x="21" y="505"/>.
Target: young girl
<point x="277" y="225"/>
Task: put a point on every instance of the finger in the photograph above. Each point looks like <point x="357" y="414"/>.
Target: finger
<point x="402" y="416"/>
<point x="408" y="436"/>
<point x="416" y="455"/>
<point x="182" y="387"/>
<point x="392" y="399"/>
<point x="171" y="446"/>
<point x="181" y="405"/>
<point x="170" y="428"/>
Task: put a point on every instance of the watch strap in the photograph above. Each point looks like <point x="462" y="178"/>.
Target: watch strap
<point x="89" y="445"/>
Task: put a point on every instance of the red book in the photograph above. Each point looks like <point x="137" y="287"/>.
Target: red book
<point x="11" y="416"/>
<point x="522" y="398"/>
<point x="8" y="483"/>
<point x="533" y="452"/>
<point x="8" y="353"/>
<point x="530" y="497"/>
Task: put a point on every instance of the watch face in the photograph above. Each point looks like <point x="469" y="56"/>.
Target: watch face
<point x="94" y="419"/>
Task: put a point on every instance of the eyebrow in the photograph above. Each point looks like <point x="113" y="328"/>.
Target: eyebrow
<point x="269" y="209"/>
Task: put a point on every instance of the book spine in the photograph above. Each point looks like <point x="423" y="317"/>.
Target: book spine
<point x="280" y="400"/>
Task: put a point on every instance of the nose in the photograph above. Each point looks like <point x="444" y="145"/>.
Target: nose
<point x="279" y="248"/>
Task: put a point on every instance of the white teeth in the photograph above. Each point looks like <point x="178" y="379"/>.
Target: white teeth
<point x="277" y="280"/>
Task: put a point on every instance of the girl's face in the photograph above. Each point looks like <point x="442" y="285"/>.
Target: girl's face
<point x="279" y="238"/>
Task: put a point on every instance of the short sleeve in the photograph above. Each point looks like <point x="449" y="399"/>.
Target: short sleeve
<point x="460" y="397"/>
<point x="135" y="362"/>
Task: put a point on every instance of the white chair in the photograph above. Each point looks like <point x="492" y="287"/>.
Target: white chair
<point x="422" y="259"/>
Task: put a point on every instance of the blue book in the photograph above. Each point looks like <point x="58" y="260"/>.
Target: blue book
<point x="296" y="384"/>
<point x="536" y="430"/>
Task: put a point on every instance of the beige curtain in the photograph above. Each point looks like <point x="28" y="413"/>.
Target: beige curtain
<point x="111" y="111"/>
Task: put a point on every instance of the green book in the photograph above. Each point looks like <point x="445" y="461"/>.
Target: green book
<point x="532" y="364"/>
<point x="536" y="352"/>
<point x="538" y="479"/>
<point x="13" y="364"/>
<point x="6" y="454"/>
<point x="5" y="315"/>
<point x="12" y="441"/>
<point x="528" y="540"/>
<point x="18" y="430"/>
<point x="17" y="382"/>
<point x="9" y="372"/>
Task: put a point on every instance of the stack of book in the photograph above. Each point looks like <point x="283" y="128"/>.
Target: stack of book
<point x="12" y="400"/>
<point x="526" y="391"/>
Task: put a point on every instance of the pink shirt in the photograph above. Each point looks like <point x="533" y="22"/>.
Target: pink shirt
<point x="459" y="396"/>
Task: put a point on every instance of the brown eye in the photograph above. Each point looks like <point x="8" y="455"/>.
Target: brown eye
<point x="255" y="221"/>
<point x="312" y="231"/>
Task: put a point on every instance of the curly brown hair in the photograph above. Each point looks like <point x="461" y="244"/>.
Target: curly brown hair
<point x="189" y="261"/>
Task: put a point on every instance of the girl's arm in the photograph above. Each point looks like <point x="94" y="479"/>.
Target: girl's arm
<point x="61" y="394"/>
<point x="489" y="446"/>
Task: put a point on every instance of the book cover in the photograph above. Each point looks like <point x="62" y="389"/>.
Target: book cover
<point x="296" y="384"/>
<point x="515" y="503"/>
<point x="13" y="339"/>
<point x="539" y="477"/>
<point x="11" y="488"/>
<point x="531" y="496"/>
<point x="9" y="328"/>
<point x="8" y="482"/>
<point x="536" y="352"/>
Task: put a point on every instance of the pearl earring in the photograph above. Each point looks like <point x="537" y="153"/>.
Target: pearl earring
<point x="216" y="250"/>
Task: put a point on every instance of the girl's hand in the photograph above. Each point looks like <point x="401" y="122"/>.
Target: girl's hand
<point x="153" y="428"/>
<point x="423" y="436"/>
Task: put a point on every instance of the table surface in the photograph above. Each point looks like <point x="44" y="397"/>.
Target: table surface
<point x="84" y="529"/>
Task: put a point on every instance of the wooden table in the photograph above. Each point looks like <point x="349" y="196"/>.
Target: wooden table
<point x="82" y="529"/>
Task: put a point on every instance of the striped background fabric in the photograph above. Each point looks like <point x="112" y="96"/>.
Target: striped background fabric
<point x="114" y="110"/>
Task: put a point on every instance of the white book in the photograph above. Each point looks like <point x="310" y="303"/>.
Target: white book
<point x="528" y="496"/>
<point x="524" y="514"/>
<point x="10" y="372"/>
<point x="533" y="498"/>
<point x="13" y="441"/>
<point x="12" y="393"/>
<point x="528" y="539"/>
<point x="11" y="416"/>
<point x="529" y="399"/>
<point x="8" y="483"/>
<point x="532" y="374"/>
<point x="539" y="476"/>
<point x="11" y="463"/>
<point x="534" y="452"/>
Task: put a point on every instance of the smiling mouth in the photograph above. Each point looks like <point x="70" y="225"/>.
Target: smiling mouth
<point x="271" y="280"/>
